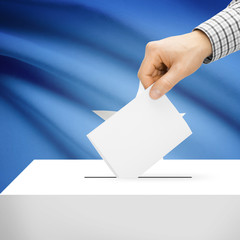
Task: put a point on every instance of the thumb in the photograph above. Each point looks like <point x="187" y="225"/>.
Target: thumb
<point x="166" y="82"/>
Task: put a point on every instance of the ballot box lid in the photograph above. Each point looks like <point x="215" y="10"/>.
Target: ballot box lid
<point x="93" y="177"/>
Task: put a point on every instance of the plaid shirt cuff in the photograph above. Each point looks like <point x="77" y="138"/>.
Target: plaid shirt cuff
<point x="223" y="31"/>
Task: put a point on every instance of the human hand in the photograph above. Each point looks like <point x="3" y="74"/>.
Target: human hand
<point x="168" y="61"/>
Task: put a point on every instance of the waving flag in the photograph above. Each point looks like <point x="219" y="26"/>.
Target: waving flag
<point x="61" y="62"/>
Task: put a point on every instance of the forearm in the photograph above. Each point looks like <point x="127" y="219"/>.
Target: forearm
<point x="223" y="31"/>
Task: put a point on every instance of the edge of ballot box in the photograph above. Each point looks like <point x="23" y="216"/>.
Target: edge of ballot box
<point x="119" y="217"/>
<point x="94" y="177"/>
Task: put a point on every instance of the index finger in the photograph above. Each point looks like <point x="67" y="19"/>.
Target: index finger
<point x="146" y="71"/>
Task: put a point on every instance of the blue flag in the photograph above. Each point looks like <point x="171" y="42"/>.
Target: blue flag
<point x="62" y="60"/>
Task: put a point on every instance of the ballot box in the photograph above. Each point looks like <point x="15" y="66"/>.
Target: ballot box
<point x="82" y="199"/>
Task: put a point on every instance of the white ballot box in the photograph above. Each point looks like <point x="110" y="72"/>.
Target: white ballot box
<point x="82" y="199"/>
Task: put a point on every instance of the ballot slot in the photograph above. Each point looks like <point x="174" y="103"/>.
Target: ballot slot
<point x="165" y="177"/>
<point x="100" y="177"/>
<point x="168" y="177"/>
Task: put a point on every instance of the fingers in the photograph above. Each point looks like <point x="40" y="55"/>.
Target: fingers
<point x="166" y="82"/>
<point x="150" y="73"/>
<point x="149" y="69"/>
<point x="146" y="71"/>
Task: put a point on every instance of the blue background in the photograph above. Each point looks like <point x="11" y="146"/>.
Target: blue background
<point x="59" y="60"/>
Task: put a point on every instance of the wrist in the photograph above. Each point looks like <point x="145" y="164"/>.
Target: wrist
<point x="202" y="42"/>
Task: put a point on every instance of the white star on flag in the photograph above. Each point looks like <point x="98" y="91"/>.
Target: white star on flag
<point x="107" y="114"/>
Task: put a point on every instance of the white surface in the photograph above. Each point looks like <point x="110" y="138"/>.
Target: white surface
<point x="209" y="177"/>
<point x="139" y="134"/>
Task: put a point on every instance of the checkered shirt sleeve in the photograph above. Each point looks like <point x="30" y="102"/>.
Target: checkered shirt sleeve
<point x="223" y="31"/>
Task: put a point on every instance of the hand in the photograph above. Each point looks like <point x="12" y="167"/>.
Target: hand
<point x="168" y="61"/>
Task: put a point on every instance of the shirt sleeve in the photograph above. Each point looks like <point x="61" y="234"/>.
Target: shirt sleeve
<point x="223" y="31"/>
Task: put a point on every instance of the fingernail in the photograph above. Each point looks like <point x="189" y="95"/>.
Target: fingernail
<point x="155" y="93"/>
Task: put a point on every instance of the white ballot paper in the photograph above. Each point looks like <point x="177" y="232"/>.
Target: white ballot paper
<point x="139" y="134"/>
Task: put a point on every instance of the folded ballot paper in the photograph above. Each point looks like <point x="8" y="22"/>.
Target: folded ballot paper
<point x="139" y="134"/>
